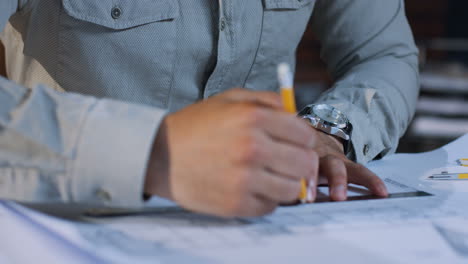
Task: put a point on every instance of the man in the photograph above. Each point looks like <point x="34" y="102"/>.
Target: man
<point x="235" y="153"/>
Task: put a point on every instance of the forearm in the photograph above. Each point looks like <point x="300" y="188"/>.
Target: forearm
<point x="379" y="98"/>
<point x="369" y="49"/>
<point x="63" y="148"/>
<point x="67" y="148"/>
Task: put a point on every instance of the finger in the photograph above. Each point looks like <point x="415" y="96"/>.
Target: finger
<point x="263" y="98"/>
<point x="288" y="128"/>
<point x="288" y="160"/>
<point x="275" y="187"/>
<point x="335" y="171"/>
<point x="358" y="174"/>
<point x="314" y="178"/>
<point x="256" y="206"/>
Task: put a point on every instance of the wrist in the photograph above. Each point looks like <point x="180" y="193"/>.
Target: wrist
<point x="331" y="121"/>
<point x="333" y="141"/>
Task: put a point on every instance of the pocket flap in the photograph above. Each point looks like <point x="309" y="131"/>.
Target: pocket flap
<point x="121" y="14"/>
<point x="286" y="4"/>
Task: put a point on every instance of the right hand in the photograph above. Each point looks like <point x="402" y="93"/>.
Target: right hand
<point x="236" y="154"/>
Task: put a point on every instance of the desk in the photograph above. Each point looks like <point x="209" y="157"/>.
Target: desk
<point x="405" y="230"/>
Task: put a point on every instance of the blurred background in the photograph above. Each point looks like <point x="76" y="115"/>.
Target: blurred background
<point x="441" y="32"/>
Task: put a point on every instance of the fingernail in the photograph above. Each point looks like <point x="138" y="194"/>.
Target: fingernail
<point x="311" y="191"/>
<point x="309" y="196"/>
<point x="339" y="192"/>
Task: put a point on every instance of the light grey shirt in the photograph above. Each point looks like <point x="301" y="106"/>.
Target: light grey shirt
<point x="90" y="80"/>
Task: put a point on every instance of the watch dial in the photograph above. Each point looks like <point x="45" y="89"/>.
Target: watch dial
<point x="330" y="114"/>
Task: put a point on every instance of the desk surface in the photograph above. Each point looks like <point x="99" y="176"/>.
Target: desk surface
<point x="422" y="229"/>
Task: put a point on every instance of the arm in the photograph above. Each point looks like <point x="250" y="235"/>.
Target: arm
<point x="369" y="49"/>
<point x="65" y="148"/>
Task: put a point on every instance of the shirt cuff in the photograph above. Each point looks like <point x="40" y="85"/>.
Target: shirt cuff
<point x="365" y="138"/>
<point x="366" y="143"/>
<point x="112" y="154"/>
<point x="368" y="140"/>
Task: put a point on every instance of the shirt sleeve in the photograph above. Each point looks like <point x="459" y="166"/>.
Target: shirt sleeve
<point x="7" y="8"/>
<point x="58" y="148"/>
<point x="370" y="52"/>
<point x="63" y="148"/>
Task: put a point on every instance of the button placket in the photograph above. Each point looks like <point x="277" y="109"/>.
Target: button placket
<point x="222" y="24"/>
<point x="224" y="53"/>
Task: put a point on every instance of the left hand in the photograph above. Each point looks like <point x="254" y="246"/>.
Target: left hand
<point x="336" y="170"/>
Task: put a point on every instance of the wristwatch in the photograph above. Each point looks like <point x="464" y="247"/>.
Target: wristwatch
<point x="329" y="120"/>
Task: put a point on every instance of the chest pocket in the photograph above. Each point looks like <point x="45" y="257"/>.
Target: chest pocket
<point x="284" y="23"/>
<point x="121" y="14"/>
<point x="121" y="49"/>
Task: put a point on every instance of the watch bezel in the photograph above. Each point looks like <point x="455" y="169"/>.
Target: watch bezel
<point x="341" y="116"/>
<point x="342" y="130"/>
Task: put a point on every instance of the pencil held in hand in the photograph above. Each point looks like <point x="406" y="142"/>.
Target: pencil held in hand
<point x="286" y="88"/>
<point x="287" y="94"/>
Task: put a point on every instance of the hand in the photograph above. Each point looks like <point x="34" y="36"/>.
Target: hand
<point x="235" y="154"/>
<point x="337" y="170"/>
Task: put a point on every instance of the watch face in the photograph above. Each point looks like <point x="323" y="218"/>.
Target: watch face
<point x="330" y="114"/>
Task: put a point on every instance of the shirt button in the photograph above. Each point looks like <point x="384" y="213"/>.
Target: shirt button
<point x="365" y="150"/>
<point x="103" y="195"/>
<point x="222" y="24"/>
<point x="116" y="12"/>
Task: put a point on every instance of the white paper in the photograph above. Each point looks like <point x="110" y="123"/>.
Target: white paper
<point x="400" y="230"/>
<point x="24" y="240"/>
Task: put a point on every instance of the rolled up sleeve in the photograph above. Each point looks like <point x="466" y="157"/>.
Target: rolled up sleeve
<point x="369" y="49"/>
<point x="71" y="149"/>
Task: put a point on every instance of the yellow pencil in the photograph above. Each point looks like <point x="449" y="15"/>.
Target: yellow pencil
<point x="289" y="103"/>
<point x="463" y="162"/>
<point x="449" y="176"/>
